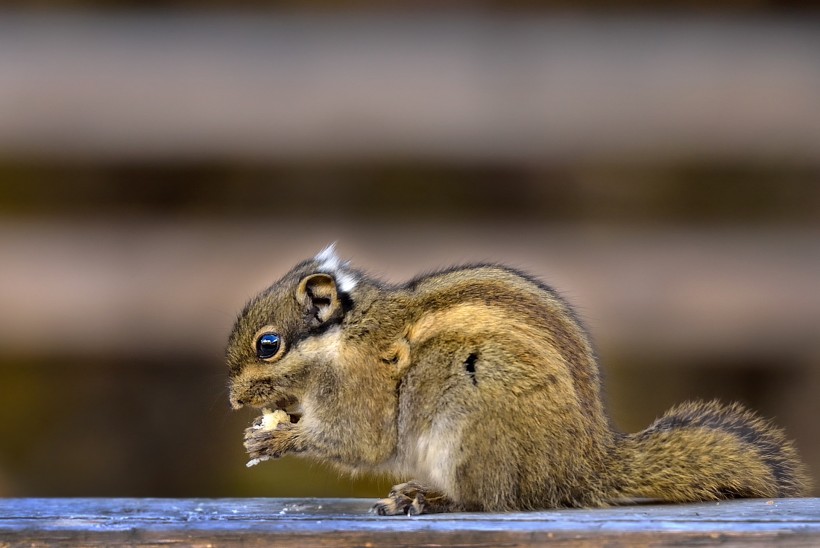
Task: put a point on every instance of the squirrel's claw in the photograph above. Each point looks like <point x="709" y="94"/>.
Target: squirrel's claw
<point x="412" y="499"/>
<point x="271" y="444"/>
<point x="387" y="507"/>
<point x="416" y="507"/>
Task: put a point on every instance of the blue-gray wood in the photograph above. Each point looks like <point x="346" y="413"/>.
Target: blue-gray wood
<point x="334" y="522"/>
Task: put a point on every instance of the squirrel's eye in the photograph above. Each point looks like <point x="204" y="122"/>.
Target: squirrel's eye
<point x="267" y="345"/>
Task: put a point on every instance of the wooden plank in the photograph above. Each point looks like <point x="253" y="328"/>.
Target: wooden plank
<point x="158" y="289"/>
<point x="333" y="522"/>
<point x="465" y="88"/>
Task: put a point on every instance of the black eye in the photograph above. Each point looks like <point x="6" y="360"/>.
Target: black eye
<point x="267" y="345"/>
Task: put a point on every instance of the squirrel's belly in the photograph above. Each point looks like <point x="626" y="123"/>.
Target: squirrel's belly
<point x="435" y="457"/>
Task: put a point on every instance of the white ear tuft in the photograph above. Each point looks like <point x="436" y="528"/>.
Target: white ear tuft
<point x="327" y="259"/>
<point x="329" y="262"/>
<point x="346" y="281"/>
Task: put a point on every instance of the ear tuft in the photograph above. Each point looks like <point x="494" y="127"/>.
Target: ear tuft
<point x="329" y="262"/>
<point x="327" y="259"/>
<point x="347" y="281"/>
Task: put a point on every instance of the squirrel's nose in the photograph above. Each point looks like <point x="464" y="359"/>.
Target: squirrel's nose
<point x="237" y="403"/>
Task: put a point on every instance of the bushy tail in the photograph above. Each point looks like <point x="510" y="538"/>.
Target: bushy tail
<point x="709" y="451"/>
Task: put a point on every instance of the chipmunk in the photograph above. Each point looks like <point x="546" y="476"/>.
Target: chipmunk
<point x="479" y="382"/>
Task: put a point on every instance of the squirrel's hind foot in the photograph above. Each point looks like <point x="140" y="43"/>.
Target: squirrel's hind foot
<point x="412" y="499"/>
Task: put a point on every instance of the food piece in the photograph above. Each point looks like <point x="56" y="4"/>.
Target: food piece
<point x="270" y="419"/>
<point x="267" y="422"/>
<point x="254" y="462"/>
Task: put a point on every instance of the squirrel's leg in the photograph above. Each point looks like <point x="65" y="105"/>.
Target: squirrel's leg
<point x="264" y="444"/>
<point x="412" y="498"/>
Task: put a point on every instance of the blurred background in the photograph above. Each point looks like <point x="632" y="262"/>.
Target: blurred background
<point x="161" y="162"/>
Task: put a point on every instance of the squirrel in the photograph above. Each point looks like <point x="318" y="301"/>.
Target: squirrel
<point x="480" y="382"/>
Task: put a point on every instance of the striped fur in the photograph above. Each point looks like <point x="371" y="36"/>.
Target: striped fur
<point x="479" y="382"/>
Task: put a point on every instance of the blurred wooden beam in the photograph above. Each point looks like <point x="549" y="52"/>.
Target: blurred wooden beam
<point x="464" y="88"/>
<point x="159" y="289"/>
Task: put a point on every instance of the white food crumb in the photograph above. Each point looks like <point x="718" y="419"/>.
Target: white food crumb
<point x="272" y="418"/>
<point x="254" y="462"/>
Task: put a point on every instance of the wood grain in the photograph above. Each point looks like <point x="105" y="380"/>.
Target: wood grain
<point x="337" y="522"/>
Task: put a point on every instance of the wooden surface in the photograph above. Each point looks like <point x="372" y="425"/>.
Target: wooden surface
<point x="334" y="522"/>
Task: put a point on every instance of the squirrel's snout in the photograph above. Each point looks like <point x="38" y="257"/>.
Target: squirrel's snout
<point x="237" y="393"/>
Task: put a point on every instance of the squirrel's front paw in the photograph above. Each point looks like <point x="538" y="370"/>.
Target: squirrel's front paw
<point x="263" y="444"/>
<point x="412" y="499"/>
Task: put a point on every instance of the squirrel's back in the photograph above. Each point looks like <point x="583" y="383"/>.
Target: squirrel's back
<point x="696" y="451"/>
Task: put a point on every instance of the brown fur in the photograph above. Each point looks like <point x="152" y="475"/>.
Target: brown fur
<point x="479" y="382"/>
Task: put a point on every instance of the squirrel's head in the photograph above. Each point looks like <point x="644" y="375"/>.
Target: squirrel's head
<point x="287" y="331"/>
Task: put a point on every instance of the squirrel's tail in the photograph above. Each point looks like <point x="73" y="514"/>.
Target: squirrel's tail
<point x="709" y="451"/>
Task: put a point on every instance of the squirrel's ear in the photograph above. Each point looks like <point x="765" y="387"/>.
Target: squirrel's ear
<point x="318" y="293"/>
